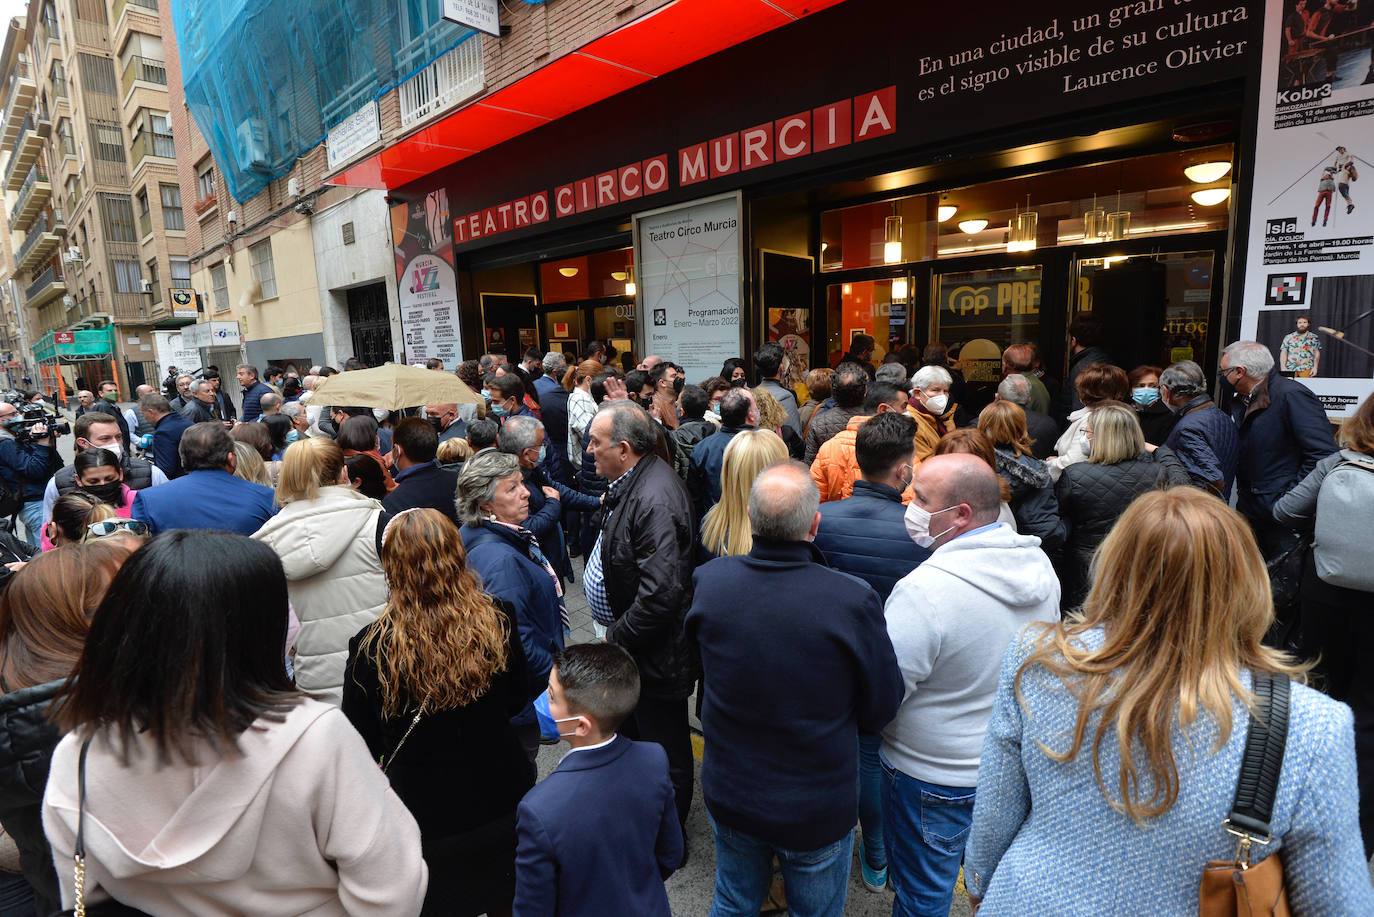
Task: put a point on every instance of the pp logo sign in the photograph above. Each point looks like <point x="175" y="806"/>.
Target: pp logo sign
<point x="660" y="317"/>
<point x="1285" y="290"/>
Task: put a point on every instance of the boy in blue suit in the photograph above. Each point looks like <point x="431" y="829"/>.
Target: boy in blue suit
<point x="600" y="834"/>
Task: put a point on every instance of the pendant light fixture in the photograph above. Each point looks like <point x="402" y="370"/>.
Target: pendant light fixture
<point x="973" y="226"/>
<point x="1204" y="173"/>
<point x="568" y="271"/>
<point x="899" y="289"/>
<point x="1094" y="223"/>
<point x="892" y="239"/>
<point x="945" y="210"/>
<point x="1022" y="229"/>
<point x="630" y="287"/>
<point x="1210" y="197"/>
<point x="1118" y="222"/>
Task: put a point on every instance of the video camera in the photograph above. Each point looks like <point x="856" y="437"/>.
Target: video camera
<point x="32" y="415"/>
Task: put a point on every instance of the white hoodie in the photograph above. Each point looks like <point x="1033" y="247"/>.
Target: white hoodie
<point x="328" y="547"/>
<point x="950" y="621"/>
<point x="303" y="822"/>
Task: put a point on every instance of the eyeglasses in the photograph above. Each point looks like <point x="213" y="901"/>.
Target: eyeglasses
<point x="109" y="527"/>
<point x="1223" y="373"/>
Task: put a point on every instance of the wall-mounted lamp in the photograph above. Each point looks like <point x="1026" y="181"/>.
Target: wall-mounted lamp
<point x="568" y="271"/>
<point x="1204" y="173"/>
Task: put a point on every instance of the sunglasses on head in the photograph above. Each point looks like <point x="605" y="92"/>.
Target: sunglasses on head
<point x="111" y="526"/>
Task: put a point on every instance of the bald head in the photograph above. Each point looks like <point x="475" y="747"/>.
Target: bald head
<point x="963" y="488"/>
<point x="784" y="503"/>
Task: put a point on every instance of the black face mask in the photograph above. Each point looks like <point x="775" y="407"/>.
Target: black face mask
<point x="678" y="383"/>
<point x="739" y="383"/>
<point x="111" y="493"/>
<point x="437" y="424"/>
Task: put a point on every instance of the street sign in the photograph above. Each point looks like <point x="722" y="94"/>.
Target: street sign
<point x="482" y="15"/>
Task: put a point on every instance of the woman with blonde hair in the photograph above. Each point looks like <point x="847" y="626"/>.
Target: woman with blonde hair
<point x="250" y="466"/>
<point x="1093" y="494"/>
<point x="431" y="686"/>
<point x="581" y="406"/>
<point x="328" y="538"/>
<point x="1032" y="501"/>
<point x="72" y="514"/>
<point x="773" y="417"/>
<point x="725" y="530"/>
<point x="1128" y="726"/>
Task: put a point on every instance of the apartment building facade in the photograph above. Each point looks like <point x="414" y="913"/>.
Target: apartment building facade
<point x="92" y="194"/>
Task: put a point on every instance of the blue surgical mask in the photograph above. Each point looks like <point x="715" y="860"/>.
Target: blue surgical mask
<point x="543" y="452"/>
<point x="548" y="726"/>
<point x="498" y="410"/>
<point x="1144" y="396"/>
<point x="486" y="396"/>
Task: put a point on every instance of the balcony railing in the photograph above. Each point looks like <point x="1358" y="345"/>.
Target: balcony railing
<point x="36" y="175"/>
<point x="145" y="69"/>
<point x="85" y="310"/>
<point x="450" y="79"/>
<point x="117" y="8"/>
<point x="49" y="276"/>
<point x="145" y="223"/>
<point x="152" y="143"/>
<point x="40" y="226"/>
<point x="23" y="129"/>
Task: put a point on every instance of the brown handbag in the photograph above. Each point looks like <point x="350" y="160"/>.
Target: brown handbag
<point x="1238" y="888"/>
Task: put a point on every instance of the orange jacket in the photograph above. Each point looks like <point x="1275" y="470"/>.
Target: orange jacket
<point x="836" y="467"/>
<point x="927" y="436"/>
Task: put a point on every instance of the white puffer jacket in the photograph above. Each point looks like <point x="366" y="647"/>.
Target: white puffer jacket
<point x="334" y="577"/>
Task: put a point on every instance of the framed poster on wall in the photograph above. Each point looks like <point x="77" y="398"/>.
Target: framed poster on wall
<point x="690" y="260"/>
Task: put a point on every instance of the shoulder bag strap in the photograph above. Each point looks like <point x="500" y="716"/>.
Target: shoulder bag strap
<point x="1258" y="783"/>
<point x="385" y="762"/>
<point x="79" y="856"/>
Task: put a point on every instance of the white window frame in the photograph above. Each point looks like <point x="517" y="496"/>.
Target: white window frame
<point x="263" y="267"/>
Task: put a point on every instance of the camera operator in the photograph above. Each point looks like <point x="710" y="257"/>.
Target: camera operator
<point x="28" y="457"/>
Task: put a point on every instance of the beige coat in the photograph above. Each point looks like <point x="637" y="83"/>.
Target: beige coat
<point x="334" y="578"/>
<point x="302" y="822"/>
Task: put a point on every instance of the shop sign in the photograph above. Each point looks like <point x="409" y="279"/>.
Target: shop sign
<point x="837" y="124"/>
<point x="1309" y="280"/>
<point x="183" y="303"/>
<point x="482" y="15"/>
<point x="64" y="337"/>
<point x="689" y="261"/>
<point x="212" y="334"/>
<point x="354" y="134"/>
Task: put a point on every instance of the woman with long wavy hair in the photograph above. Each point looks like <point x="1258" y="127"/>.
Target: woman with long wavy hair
<point x="431" y="686"/>
<point x="725" y="530"/>
<point x="1127" y="726"/>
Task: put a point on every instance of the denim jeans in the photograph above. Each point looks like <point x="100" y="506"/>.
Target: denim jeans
<point x="871" y="799"/>
<point x="31" y="514"/>
<point x="815" y="880"/>
<point x="927" y="827"/>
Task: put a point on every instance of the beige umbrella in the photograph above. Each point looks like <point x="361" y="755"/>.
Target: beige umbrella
<point x="393" y="387"/>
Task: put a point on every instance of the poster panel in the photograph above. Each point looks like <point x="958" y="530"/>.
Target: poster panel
<point x="174" y="350"/>
<point x="1309" y="288"/>
<point x="690" y="261"/>
<point x="423" y="244"/>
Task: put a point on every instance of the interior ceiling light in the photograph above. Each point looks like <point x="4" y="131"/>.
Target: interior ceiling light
<point x="619" y="275"/>
<point x="892" y="240"/>
<point x="1209" y="197"/>
<point x="630" y="288"/>
<point x="972" y="226"/>
<point x="946" y="210"/>
<point x="568" y="271"/>
<point x="1204" y="173"/>
<point x="899" y="289"/>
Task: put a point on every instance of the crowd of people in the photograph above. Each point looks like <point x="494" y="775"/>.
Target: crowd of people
<point x="298" y="657"/>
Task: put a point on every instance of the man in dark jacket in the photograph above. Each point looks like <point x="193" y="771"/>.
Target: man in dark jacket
<point x="1204" y="438"/>
<point x="1283" y="434"/>
<point x="553" y="411"/>
<point x="419" y="479"/>
<point x="1041" y="428"/>
<point x="861" y="347"/>
<point x="95" y="430"/>
<point x="638" y="580"/>
<point x="168" y="427"/>
<point x="525" y="438"/>
<point x="737" y="412"/>
<point x="209" y="495"/>
<point x="864" y="534"/>
<point x="786" y="696"/>
<point x="200" y="402"/>
<point x="253" y="390"/>
<point x="25" y="468"/>
<point x="848" y="386"/>
<point x="768" y="361"/>
<point x="222" y="406"/>
<point x="1085" y="333"/>
<point x="694" y="426"/>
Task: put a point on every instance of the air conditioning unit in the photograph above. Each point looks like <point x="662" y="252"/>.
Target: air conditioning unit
<point x="74" y="253"/>
<point x="293" y="187"/>
<point x="146" y="286"/>
<point x="231" y="217"/>
<point x="251" y="145"/>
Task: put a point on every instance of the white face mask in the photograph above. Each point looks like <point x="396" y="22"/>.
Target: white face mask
<point x="918" y="524"/>
<point x="116" y="447"/>
<point x="936" y="404"/>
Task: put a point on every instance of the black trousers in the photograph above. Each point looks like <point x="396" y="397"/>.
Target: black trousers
<point x="665" y="722"/>
<point x="1338" y="627"/>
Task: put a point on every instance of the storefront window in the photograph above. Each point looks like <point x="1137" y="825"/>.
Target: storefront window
<point x="981" y="313"/>
<point x="595" y="276"/>
<point x="1130" y="199"/>
<point x="870" y="307"/>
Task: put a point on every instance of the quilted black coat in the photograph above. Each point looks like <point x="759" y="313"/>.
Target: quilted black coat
<point x="1092" y="497"/>
<point x="27" y="741"/>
